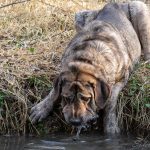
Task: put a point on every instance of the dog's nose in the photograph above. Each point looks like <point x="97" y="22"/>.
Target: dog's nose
<point x="93" y="119"/>
<point x="75" y="122"/>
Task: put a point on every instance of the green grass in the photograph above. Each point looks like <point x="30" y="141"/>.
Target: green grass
<point x="134" y="101"/>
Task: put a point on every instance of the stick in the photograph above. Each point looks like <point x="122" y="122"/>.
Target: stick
<point x="14" y="3"/>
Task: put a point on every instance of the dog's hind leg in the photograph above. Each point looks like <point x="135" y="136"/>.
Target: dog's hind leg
<point x="82" y="18"/>
<point x="139" y="15"/>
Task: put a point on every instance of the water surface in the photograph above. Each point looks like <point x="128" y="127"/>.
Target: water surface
<point x="66" y="142"/>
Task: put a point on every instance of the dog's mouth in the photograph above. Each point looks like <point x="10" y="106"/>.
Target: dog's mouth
<point x="85" y="126"/>
<point x="92" y="121"/>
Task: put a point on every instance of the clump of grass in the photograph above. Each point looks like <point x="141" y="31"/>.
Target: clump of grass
<point x="134" y="101"/>
<point x="33" y="36"/>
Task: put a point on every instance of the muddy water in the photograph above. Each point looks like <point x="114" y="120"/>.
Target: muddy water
<point x="65" y="142"/>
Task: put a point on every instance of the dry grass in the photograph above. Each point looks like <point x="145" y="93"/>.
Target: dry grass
<point x="33" y="36"/>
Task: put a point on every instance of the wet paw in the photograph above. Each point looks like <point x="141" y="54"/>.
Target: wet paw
<point x="112" y="130"/>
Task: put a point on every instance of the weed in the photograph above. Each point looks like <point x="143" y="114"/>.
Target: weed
<point x="2" y="96"/>
<point x="31" y="49"/>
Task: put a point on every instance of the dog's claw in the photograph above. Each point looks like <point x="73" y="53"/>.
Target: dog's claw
<point x="39" y="112"/>
<point x="112" y="130"/>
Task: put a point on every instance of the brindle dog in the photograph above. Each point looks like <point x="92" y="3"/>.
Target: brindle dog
<point x="97" y="63"/>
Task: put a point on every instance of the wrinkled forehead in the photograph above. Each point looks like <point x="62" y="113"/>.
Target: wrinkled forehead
<point x="78" y="77"/>
<point x="74" y="88"/>
<point x="74" y="84"/>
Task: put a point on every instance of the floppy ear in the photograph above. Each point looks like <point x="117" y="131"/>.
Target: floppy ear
<point x="57" y="87"/>
<point x="82" y="18"/>
<point x="102" y="93"/>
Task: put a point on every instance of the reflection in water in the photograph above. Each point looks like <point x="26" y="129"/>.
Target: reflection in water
<point x="11" y="143"/>
<point x="65" y="142"/>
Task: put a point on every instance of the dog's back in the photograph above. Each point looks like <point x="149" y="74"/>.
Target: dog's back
<point x="114" y="15"/>
<point x="108" y="39"/>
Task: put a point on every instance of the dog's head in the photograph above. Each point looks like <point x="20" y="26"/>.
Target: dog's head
<point x="82" y="95"/>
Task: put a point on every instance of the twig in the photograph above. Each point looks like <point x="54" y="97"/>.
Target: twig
<point x="76" y="3"/>
<point x="14" y="3"/>
<point x="60" y="8"/>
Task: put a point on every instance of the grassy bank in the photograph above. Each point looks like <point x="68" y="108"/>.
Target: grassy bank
<point x="33" y="36"/>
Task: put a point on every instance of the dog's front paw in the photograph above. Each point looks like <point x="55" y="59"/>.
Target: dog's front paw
<point x="111" y="125"/>
<point x="39" y="112"/>
<point x="112" y="130"/>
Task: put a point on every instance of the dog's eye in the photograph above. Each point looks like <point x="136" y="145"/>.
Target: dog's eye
<point x="68" y="99"/>
<point x="87" y="85"/>
<point x="86" y="99"/>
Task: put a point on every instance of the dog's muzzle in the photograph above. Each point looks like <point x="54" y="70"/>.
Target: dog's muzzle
<point x="78" y="122"/>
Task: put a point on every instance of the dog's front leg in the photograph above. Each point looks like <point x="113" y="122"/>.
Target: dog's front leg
<point x="42" y="109"/>
<point x="110" y="118"/>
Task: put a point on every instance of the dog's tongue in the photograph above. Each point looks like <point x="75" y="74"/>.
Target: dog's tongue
<point x="78" y="133"/>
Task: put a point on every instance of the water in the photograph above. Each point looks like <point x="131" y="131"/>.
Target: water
<point x="65" y="142"/>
